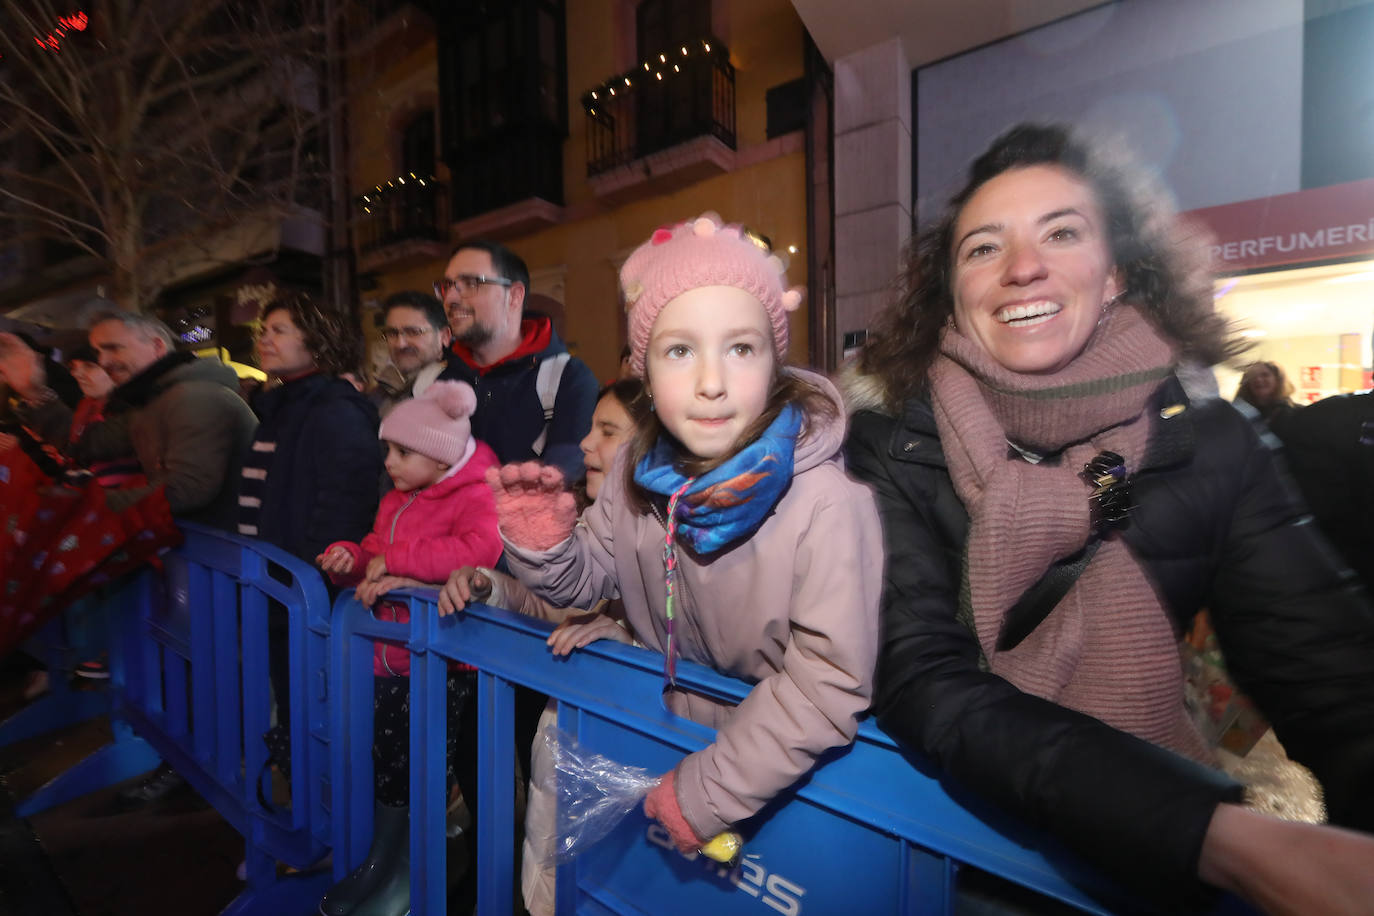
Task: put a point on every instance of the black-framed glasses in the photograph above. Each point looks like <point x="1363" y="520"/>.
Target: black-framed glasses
<point x="467" y="284"/>
<point x="391" y="335"/>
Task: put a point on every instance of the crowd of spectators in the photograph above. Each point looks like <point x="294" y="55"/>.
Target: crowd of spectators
<point x="1034" y="702"/>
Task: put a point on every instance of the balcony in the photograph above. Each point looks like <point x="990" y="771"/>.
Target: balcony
<point x="667" y="123"/>
<point x="401" y="223"/>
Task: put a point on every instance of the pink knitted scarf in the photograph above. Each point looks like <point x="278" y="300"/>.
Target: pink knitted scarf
<point x="1108" y="649"/>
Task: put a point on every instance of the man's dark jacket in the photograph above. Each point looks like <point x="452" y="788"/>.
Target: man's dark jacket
<point x="509" y="415"/>
<point x="1213" y="527"/>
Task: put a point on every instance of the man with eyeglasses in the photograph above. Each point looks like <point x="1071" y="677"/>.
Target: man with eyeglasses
<point x="417" y="335"/>
<point x="534" y="400"/>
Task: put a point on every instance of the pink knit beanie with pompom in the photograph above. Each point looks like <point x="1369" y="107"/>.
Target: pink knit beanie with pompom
<point x="702" y="252"/>
<point x="435" y="424"/>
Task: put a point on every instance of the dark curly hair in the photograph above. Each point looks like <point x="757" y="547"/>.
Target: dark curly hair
<point x="335" y="341"/>
<point x="1162" y="262"/>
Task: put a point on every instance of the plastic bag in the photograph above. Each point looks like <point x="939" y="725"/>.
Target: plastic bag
<point x="593" y="791"/>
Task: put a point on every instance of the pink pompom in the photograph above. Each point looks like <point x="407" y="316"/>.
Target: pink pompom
<point x="457" y="399"/>
<point x="661" y="235"/>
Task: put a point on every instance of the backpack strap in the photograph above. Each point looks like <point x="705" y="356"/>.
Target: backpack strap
<point x="1037" y="602"/>
<point x="546" y="386"/>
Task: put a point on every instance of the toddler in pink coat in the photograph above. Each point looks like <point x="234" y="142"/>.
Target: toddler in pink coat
<point x="440" y="516"/>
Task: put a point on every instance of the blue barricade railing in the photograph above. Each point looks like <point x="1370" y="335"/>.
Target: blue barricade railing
<point x="189" y="664"/>
<point x="867" y="831"/>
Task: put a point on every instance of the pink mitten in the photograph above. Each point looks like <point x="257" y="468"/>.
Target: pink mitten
<point x="661" y="804"/>
<point x="532" y="507"/>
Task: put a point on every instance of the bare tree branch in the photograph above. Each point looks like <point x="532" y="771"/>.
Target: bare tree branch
<point x="159" y="126"/>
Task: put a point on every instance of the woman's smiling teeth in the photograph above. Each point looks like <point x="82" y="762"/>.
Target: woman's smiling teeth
<point x="1027" y="314"/>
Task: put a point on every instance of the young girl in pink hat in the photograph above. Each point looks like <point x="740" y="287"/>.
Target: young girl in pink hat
<point x="440" y="516"/>
<point x="727" y="527"/>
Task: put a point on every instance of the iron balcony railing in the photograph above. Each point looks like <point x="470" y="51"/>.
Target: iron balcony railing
<point x="675" y="95"/>
<point x="407" y="208"/>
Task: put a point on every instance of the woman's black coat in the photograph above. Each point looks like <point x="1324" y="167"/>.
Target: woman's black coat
<point x="1213" y="527"/>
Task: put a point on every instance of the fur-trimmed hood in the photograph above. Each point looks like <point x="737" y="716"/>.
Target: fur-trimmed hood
<point x="862" y="391"/>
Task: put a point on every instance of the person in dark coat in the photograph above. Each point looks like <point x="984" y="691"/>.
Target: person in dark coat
<point x="36" y="394"/>
<point x="309" y="474"/>
<point x="1329" y="450"/>
<point x="1023" y="416"/>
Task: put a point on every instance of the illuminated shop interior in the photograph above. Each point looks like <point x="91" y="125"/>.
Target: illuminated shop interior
<point x="1314" y="322"/>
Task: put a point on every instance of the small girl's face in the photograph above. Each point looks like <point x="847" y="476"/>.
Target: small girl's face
<point x="410" y="470"/>
<point x="710" y="367"/>
<point x="611" y="425"/>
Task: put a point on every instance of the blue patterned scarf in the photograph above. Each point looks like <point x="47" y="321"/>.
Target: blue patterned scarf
<point x="730" y="502"/>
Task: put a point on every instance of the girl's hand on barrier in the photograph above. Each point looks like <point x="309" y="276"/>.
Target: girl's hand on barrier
<point x="337" y="560"/>
<point x="579" y="631"/>
<point x="1287" y="867"/>
<point x="533" y="509"/>
<point x="376" y="568"/>
<point x="370" y="592"/>
<point x="463" y="587"/>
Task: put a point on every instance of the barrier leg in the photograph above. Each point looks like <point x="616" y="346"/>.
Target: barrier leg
<point x="268" y="895"/>
<point x="126" y="756"/>
<point x="495" y="793"/>
<point x="54" y="710"/>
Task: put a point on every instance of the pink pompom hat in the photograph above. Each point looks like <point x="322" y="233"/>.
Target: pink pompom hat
<point x="702" y="252"/>
<point x="434" y="423"/>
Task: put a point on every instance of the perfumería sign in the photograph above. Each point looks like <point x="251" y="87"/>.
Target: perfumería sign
<point x="1319" y="224"/>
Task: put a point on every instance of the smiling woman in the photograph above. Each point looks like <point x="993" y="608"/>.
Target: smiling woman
<point x="1034" y="595"/>
<point x="1032" y="287"/>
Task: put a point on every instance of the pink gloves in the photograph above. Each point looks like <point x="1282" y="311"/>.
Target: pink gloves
<point x="661" y="804"/>
<point x="532" y="507"/>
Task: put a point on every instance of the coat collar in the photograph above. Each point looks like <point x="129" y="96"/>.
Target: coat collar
<point x="142" y="388"/>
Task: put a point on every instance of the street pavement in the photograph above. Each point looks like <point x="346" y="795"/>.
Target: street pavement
<point x="89" y="857"/>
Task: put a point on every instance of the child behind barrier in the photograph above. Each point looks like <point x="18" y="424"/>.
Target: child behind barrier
<point x="619" y="407"/>
<point x="439" y="516"/>
<point x="728" y="527"/>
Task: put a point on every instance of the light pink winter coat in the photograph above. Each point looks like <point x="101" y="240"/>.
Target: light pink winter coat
<point x="811" y="647"/>
<point x="426" y="534"/>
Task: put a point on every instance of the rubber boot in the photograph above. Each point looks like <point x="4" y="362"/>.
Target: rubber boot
<point x="390" y="837"/>
<point x="391" y="896"/>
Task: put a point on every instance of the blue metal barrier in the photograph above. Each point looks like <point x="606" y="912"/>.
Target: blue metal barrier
<point x="189" y="676"/>
<point x="61" y="706"/>
<point x="866" y="831"/>
<point x="126" y="755"/>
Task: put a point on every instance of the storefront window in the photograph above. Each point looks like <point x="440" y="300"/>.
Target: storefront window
<point x="1314" y="322"/>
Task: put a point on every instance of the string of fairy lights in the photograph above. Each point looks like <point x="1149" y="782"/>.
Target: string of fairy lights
<point x="666" y="63"/>
<point x="375" y="197"/>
